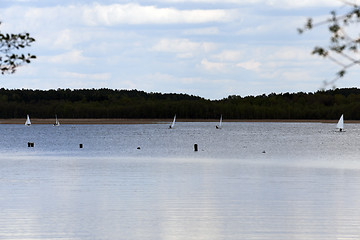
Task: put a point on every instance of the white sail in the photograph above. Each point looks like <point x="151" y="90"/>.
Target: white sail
<point x="27" y="123"/>
<point x="220" y="123"/>
<point x="57" y="123"/>
<point x="340" y="124"/>
<point x="173" y="123"/>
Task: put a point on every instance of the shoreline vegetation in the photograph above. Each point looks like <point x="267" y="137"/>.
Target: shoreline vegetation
<point x="109" y="106"/>
<point x="68" y="121"/>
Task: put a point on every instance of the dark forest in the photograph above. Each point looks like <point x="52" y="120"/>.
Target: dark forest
<point x="108" y="103"/>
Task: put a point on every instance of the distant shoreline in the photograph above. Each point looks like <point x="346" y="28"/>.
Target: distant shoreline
<point x="154" y="121"/>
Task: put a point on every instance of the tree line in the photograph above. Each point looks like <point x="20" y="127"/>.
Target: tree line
<point x="109" y="103"/>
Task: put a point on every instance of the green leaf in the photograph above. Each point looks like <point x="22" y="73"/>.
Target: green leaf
<point x="341" y="73"/>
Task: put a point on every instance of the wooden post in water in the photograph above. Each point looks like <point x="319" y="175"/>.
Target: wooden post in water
<point x="195" y="147"/>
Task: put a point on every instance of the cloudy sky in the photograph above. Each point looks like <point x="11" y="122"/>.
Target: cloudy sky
<point x="208" y="48"/>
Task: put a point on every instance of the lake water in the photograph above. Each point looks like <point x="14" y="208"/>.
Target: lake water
<point x="247" y="181"/>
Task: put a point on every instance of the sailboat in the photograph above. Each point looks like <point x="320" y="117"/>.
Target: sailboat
<point x="220" y="123"/>
<point x="57" y="123"/>
<point x="173" y="123"/>
<point x="27" y="123"/>
<point x="340" y="124"/>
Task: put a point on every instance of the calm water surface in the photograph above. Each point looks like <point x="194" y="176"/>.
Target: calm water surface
<point x="247" y="181"/>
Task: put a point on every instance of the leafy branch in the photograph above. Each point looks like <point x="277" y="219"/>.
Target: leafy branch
<point x="344" y="44"/>
<point x="9" y="61"/>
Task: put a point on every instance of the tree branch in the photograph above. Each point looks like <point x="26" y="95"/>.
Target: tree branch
<point x="9" y="43"/>
<point x="341" y="43"/>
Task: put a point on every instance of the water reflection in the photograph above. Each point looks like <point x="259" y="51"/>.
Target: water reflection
<point x="298" y="189"/>
<point x="119" y="198"/>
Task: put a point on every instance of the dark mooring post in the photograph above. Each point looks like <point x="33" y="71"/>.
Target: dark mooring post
<point x="81" y="146"/>
<point x="195" y="147"/>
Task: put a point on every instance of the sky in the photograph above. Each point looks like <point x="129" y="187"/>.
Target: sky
<point x="207" y="48"/>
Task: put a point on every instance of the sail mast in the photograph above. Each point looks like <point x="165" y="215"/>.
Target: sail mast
<point x="57" y="123"/>
<point x="173" y="123"/>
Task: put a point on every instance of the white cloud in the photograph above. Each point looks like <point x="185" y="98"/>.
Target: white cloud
<point x="184" y="47"/>
<point x="296" y="76"/>
<point x="213" y="66"/>
<point x="72" y="57"/>
<point x="251" y="65"/>
<point x="302" y="3"/>
<point x="65" y="38"/>
<point x="96" y="76"/>
<point x="129" y="44"/>
<point x="21" y="1"/>
<point x="202" y="31"/>
<point x="273" y="3"/>
<point x="229" y="55"/>
<point x="34" y="19"/>
<point x="272" y="27"/>
<point x="110" y="15"/>
<point x="131" y="13"/>
<point x="291" y="53"/>
<point x="242" y="2"/>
